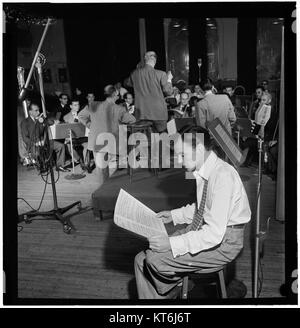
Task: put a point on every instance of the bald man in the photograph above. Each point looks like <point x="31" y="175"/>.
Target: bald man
<point x="150" y="88"/>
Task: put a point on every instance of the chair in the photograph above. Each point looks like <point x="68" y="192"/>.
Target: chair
<point x="145" y="128"/>
<point x="216" y="273"/>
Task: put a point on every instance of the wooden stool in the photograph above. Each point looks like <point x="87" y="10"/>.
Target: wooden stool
<point x="219" y="274"/>
<point x="145" y="128"/>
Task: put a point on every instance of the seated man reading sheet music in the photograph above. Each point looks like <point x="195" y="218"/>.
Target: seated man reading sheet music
<point x="215" y="225"/>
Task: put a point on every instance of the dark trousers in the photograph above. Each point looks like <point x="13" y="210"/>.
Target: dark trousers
<point x="56" y="146"/>
<point x="79" y="148"/>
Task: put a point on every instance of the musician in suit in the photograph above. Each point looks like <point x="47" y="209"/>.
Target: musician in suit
<point x="32" y="129"/>
<point x="214" y="233"/>
<point x="198" y="92"/>
<point x="150" y="85"/>
<point x="63" y="108"/>
<point x="229" y="91"/>
<point x="78" y="143"/>
<point x="255" y="104"/>
<point x="128" y="103"/>
<point x="106" y="117"/>
<point x="184" y="110"/>
<point x="120" y="90"/>
<point x="214" y="106"/>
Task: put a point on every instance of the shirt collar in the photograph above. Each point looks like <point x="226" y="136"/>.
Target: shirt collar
<point x="32" y="118"/>
<point x="208" y="92"/>
<point x="207" y="167"/>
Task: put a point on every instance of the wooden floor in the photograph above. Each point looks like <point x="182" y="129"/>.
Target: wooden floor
<point x="96" y="262"/>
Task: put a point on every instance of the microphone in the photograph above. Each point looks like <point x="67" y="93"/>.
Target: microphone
<point x="262" y="117"/>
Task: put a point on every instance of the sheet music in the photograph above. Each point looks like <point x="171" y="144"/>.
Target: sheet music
<point x="134" y="216"/>
<point x="171" y="127"/>
<point x="226" y="139"/>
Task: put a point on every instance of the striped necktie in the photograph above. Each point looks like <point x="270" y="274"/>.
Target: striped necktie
<point x="198" y="219"/>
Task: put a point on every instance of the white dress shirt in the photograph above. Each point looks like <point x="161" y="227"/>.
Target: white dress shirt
<point x="226" y="204"/>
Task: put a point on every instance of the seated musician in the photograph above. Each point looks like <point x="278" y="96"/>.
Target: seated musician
<point x="174" y="99"/>
<point x="255" y="104"/>
<point x="78" y="143"/>
<point x="32" y="129"/>
<point x="214" y="233"/>
<point x="128" y="103"/>
<point x="63" y="108"/>
<point x="184" y="109"/>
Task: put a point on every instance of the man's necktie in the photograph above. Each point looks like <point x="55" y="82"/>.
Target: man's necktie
<point x="198" y="215"/>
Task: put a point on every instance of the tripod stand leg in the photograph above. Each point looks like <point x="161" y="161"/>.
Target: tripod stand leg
<point x="67" y="208"/>
<point x="67" y="225"/>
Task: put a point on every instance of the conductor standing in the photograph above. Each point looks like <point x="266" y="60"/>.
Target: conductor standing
<point x="150" y="88"/>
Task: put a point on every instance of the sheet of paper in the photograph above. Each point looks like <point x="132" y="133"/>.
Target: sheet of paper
<point x="171" y="127"/>
<point x="134" y="216"/>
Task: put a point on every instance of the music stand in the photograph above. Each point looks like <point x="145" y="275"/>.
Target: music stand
<point x="73" y="175"/>
<point x="225" y="141"/>
<point x="57" y="212"/>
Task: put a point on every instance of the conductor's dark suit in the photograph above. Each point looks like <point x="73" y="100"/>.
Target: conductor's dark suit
<point x="32" y="132"/>
<point x="150" y="85"/>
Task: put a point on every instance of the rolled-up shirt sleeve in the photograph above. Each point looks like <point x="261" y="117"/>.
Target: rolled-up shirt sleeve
<point x="183" y="214"/>
<point x="215" y="217"/>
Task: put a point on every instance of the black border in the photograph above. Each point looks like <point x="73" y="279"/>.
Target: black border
<point x="148" y="10"/>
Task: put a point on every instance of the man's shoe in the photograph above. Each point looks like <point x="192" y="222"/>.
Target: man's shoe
<point x="61" y="169"/>
<point x="90" y="168"/>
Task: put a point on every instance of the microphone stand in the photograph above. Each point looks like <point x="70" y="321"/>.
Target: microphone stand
<point x="56" y="213"/>
<point x="199" y="62"/>
<point x="73" y="175"/>
<point x="258" y="233"/>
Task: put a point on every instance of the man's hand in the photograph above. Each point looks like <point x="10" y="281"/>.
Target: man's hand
<point x="166" y="216"/>
<point x="159" y="243"/>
